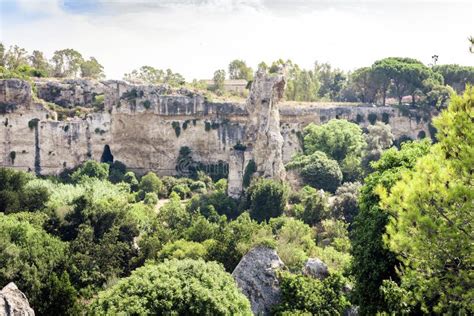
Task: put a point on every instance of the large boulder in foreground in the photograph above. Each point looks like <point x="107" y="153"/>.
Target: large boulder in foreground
<point x="13" y="302"/>
<point x="315" y="268"/>
<point x="257" y="279"/>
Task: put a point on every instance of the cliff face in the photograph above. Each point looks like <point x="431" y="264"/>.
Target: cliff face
<point x="145" y="126"/>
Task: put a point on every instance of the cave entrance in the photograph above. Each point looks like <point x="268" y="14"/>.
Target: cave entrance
<point x="107" y="155"/>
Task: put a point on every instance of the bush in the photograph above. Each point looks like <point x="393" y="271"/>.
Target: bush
<point x="91" y="169"/>
<point x="117" y="171"/>
<point x="301" y="294"/>
<point x="183" y="249"/>
<point x="150" y="183"/>
<point x="250" y="169"/>
<point x="266" y="199"/>
<point x="318" y="171"/>
<point x="344" y="204"/>
<point x="314" y="206"/>
<point x="151" y="198"/>
<point x="182" y="190"/>
<point x="182" y="287"/>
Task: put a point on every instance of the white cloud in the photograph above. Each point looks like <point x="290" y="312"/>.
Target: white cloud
<point x="197" y="37"/>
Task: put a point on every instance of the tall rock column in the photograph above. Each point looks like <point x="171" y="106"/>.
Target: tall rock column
<point x="263" y="137"/>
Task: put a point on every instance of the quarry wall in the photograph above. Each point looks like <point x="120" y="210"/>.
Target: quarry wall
<point x="145" y="126"/>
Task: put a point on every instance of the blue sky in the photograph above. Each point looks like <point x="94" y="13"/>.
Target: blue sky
<point x="196" y="37"/>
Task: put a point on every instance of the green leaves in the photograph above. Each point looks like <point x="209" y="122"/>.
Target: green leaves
<point x="186" y="287"/>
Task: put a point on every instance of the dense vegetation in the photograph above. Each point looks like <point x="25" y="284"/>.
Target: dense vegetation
<point x="394" y="224"/>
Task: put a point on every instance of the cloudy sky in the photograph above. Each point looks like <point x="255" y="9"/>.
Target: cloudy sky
<point x="196" y="37"/>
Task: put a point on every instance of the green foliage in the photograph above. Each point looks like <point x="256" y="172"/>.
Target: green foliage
<point x="219" y="79"/>
<point x="150" y="183"/>
<point x="340" y="140"/>
<point x="250" y="169"/>
<point x="214" y="203"/>
<point x="117" y="171"/>
<point x="66" y="63"/>
<point x="151" y="198"/>
<point x="238" y="69"/>
<point x="178" y="286"/>
<point x="344" y="204"/>
<point x="30" y="257"/>
<point x="150" y="75"/>
<point x="318" y="170"/>
<point x="314" y="206"/>
<point x="370" y="256"/>
<point x="456" y="76"/>
<point x="92" y="69"/>
<point x="266" y="198"/>
<point x="91" y="169"/>
<point x="16" y="195"/>
<point x="431" y="230"/>
<point x="301" y="294"/>
<point x="183" y="249"/>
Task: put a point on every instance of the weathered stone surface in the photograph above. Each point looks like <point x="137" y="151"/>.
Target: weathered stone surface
<point x="140" y="124"/>
<point x="315" y="268"/>
<point x="13" y="302"/>
<point x="256" y="277"/>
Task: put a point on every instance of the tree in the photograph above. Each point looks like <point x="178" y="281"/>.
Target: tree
<point x="364" y="84"/>
<point x="431" y="229"/>
<point x="2" y="55"/>
<point x="219" y="78"/>
<point x="331" y="80"/>
<point x="302" y="295"/>
<point x="150" y="183"/>
<point x="266" y="198"/>
<point x="456" y="76"/>
<point x="378" y="139"/>
<point x="92" y="69"/>
<point x="30" y="257"/>
<point x="314" y="206"/>
<point x="184" y="287"/>
<point x="91" y="169"/>
<point x="372" y="261"/>
<point x="16" y="57"/>
<point x="66" y="63"/>
<point x="238" y="69"/>
<point x="318" y="170"/>
<point x="340" y="140"/>
<point x="344" y="204"/>
<point x="40" y="63"/>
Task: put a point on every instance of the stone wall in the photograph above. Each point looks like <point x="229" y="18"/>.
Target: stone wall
<point x="145" y="126"/>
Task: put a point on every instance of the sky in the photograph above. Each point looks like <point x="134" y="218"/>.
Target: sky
<point x="197" y="37"/>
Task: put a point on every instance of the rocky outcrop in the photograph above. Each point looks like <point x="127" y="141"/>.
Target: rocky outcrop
<point x="13" y="302"/>
<point x="145" y="126"/>
<point x="315" y="268"/>
<point x="263" y="135"/>
<point x="257" y="279"/>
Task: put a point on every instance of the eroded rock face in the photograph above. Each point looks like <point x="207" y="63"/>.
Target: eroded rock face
<point x="256" y="277"/>
<point x="13" y="302"/>
<point x="263" y="134"/>
<point x="315" y="268"/>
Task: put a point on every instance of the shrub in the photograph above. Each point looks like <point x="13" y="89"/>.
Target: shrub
<point x="183" y="249"/>
<point x="183" y="287"/>
<point x="91" y="169"/>
<point x="239" y="146"/>
<point x="360" y="118"/>
<point x="318" y="171"/>
<point x="150" y="183"/>
<point x="301" y="295"/>
<point x="131" y="179"/>
<point x="385" y="118"/>
<point x="314" y="206"/>
<point x="117" y="171"/>
<point x="151" y="198"/>
<point x="266" y="199"/>
<point x="344" y="204"/>
<point x="182" y="190"/>
<point x="250" y="169"/>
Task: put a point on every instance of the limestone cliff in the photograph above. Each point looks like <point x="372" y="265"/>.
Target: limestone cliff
<point x="66" y="122"/>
